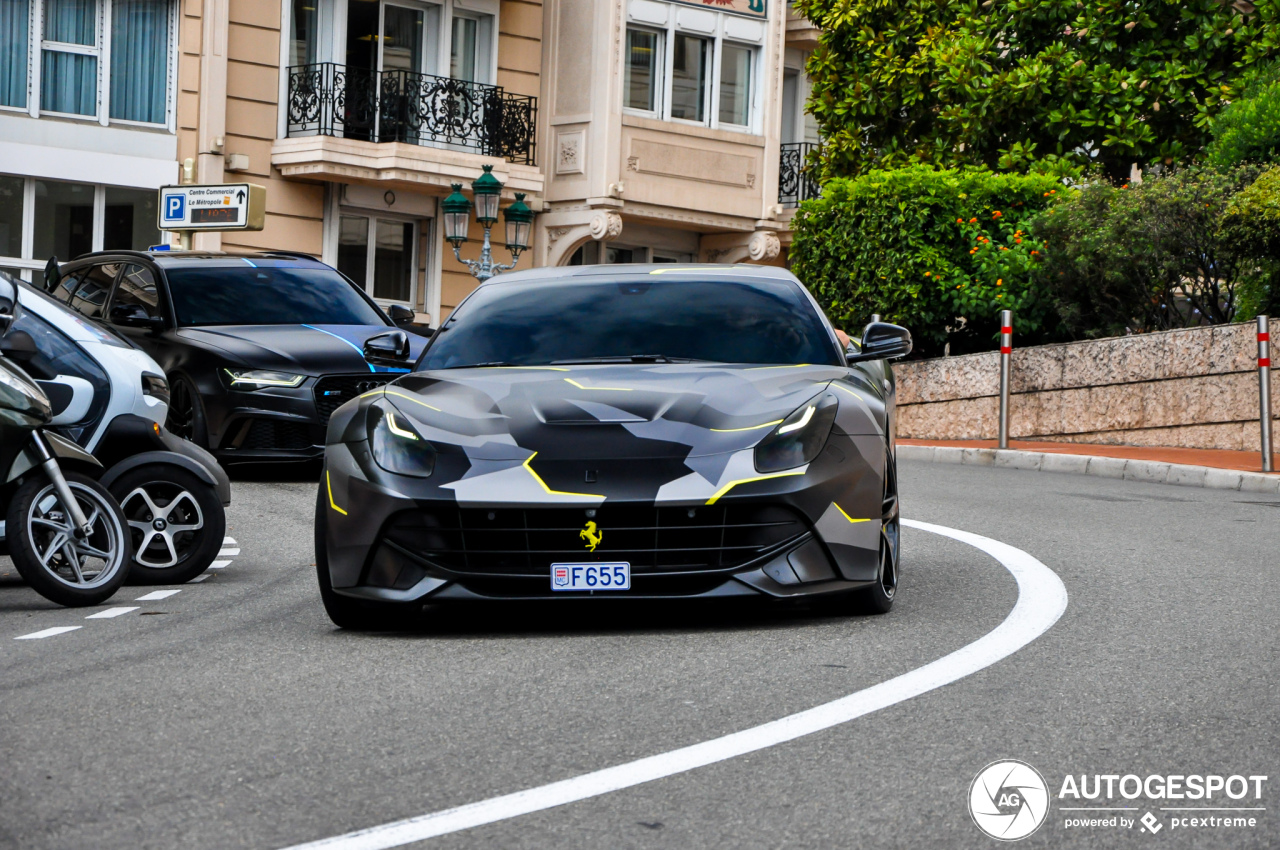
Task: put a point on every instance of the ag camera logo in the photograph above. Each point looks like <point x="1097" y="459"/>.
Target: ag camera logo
<point x="1008" y="800"/>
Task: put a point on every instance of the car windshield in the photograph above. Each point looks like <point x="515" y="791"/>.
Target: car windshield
<point x="266" y="295"/>
<point x="545" y="322"/>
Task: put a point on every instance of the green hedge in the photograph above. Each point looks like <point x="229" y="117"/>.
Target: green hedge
<point x="938" y="251"/>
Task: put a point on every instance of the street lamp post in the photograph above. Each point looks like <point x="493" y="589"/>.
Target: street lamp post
<point x="456" y="210"/>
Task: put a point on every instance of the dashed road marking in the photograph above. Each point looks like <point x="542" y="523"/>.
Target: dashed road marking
<point x="111" y="612"/>
<point x="218" y="565"/>
<point x="229" y="553"/>
<point x="56" y="630"/>
<point x="228" y="541"/>
<point x="198" y="578"/>
<point x="1042" y="599"/>
<point x="157" y="595"/>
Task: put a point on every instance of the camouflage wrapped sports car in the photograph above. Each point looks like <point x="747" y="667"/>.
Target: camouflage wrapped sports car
<point x="619" y="432"/>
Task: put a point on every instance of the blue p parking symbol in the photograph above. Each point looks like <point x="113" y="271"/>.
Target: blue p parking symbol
<point x="174" y="207"/>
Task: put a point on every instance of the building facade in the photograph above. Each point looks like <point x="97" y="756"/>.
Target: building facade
<point x="639" y="130"/>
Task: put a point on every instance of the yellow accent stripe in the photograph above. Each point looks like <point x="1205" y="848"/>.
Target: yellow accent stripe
<point x="748" y="428"/>
<point x="414" y="400"/>
<point x="846" y="516"/>
<point x="789" y="366"/>
<point x="726" y="488"/>
<point x="612" y="389"/>
<point x="538" y="478"/>
<point x="329" y="486"/>
<point x="841" y="386"/>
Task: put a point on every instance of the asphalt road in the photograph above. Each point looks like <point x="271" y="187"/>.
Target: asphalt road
<point x="233" y="714"/>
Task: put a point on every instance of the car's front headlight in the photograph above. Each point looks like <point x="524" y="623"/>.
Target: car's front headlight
<point x="800" y="437"/>
<point x="397" y="446"/>
<point x="257" y="379"/>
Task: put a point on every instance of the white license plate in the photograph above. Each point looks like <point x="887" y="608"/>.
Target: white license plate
<point x="615" y="575"/>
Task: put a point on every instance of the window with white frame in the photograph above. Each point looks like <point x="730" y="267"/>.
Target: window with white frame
<point x="108" y="60"/>
<point x="40" y="219"/>
<point x="378" y="253"/>
<point x="692" y="65"/>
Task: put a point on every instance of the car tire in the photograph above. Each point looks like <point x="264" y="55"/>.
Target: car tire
<point x="183" y="500"/>
<point x="345" y="612"/>
<point x="186" y="412"/>
<point x="36" y="500"/>
<point x="878" y="598"/>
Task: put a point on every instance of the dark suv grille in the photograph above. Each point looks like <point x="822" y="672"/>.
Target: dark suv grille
<point x="654" y="540"/>
<point x="333" y="391"/>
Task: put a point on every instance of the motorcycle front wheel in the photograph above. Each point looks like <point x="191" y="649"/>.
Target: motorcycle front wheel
<point x="59" y="564"/>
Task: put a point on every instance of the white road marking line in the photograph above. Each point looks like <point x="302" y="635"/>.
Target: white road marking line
<point x="1041" y="600"/>
<point x="229" y="553"/>
<point x="111" y="612"/>
<point x="228" y="541"/>
<point x="56" y="630"/>
<point x="218" y="565"/>
<point x="156" y="595"/>
<point x="198" y="578"/>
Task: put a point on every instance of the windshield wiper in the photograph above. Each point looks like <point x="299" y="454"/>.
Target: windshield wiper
<point x="479" y="365"/>
<point x="628" y="358"/>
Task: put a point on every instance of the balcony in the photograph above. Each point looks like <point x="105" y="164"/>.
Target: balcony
<point x="794" y="183"/>
<point x="327" y="99"/>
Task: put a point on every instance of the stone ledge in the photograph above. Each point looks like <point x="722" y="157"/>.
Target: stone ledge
<point x="1147" y="471"/>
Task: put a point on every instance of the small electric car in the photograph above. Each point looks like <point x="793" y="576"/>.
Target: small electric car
<point x="619" y="432"/>
<point x="258" y="349"/>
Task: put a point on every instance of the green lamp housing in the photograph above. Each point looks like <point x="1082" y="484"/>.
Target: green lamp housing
<point x="519" y="220"/>
<point x="487" y="189"/>
<point x="456" y="210"/>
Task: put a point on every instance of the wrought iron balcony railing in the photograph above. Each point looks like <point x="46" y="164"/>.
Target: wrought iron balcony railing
<point x="327" y="99"/>
<point x="794" y="183"/>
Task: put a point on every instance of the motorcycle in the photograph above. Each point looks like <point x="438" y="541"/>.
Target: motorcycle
<point x="66" y="534"/>
<point x="112" y="399"/>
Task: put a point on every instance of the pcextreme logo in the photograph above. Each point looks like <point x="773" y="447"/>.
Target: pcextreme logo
<point x="1009" y="800"/>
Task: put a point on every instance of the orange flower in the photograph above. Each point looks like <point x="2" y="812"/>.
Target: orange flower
<point x="973" y="221"/>
<point x="959" y="221"/>
<point x="1046" y="194"/>
<point x="997" y="214"/>
<point x="1017" y="241"/>
<point x="927" y="274"/>
<point x="1053" y="191"/>
<point x="1000" y="282"/>
<point x="1035" y="253"/>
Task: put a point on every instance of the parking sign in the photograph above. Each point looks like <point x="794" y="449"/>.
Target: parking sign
<point x="215" y="206"/>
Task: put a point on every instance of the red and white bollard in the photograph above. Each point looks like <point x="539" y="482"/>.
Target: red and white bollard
<point x="1264" y="391"/>
<point x="1006" y="354"/>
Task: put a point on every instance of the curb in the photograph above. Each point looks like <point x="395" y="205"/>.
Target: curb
<point x="1148" y="471"/>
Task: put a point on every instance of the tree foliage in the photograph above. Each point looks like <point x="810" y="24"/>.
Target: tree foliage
<point x="1146" y="257"/>
<point x="1248" y="130"/>
<point x="938" y="251"/>
<point x="1006" y="83"/>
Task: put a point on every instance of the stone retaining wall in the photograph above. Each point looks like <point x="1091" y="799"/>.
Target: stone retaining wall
<point x="1195" y="388"/>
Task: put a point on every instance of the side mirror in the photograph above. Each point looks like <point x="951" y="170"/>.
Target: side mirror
<point x="400" y="314"/>
<point x="8" y="303"/>
<point x="390" y="348"/>
<point x="18" y="345"/>
<point x="883" y="341"/>
<point x="52" y="274"/>
<point x="133" y="316"/>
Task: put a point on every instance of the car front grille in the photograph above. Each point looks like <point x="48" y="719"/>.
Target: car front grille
<point x="269" y="434"/>
<point x="333" y="391"/>
<point x="654" y="540"/>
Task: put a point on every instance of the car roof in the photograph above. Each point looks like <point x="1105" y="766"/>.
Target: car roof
<point x="647" y="271"/>
<point x="173" y="259"/>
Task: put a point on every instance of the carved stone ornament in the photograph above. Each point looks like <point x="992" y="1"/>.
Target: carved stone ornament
<point x="554" y="233"/>
<point x="633" y="163"/>
<point x="608" y="225"/>
<point x="764" y="245"/>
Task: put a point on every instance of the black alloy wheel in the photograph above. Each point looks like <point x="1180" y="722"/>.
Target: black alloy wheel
<point x="186" y="415"/>
<point x="176" y="522"/>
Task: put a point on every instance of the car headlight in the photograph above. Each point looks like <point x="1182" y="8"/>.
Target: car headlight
<point x="397" y="446"/>
<point x="800" y="437"/>
<point x="257" y="379"/>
